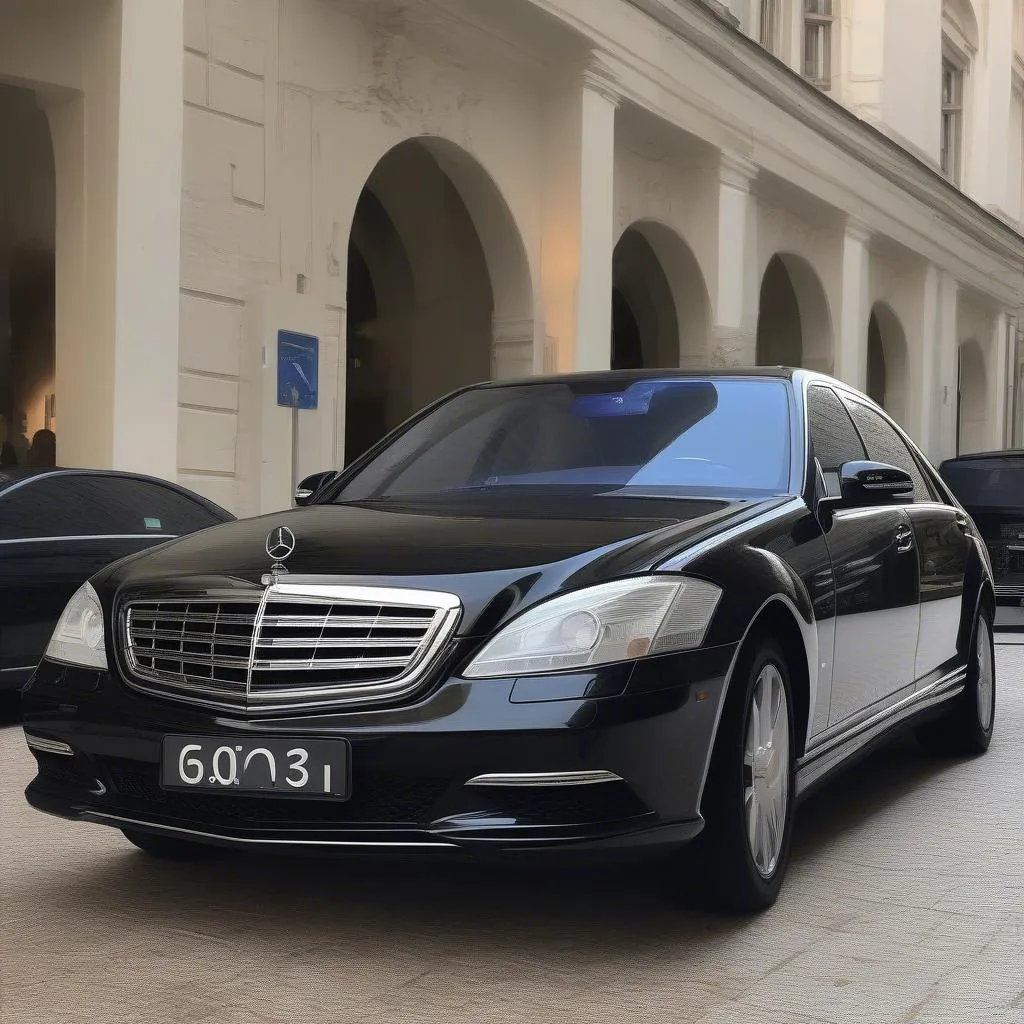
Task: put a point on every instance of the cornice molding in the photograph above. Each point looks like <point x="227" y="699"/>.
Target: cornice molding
<point x="743" y="58"/>
<point x="736" y="171"/>
<point x="598" y="77"/>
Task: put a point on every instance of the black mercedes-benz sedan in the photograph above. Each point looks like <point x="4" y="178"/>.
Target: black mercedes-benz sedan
<point x="58" y="527"/>
<point x="613" y="611"/>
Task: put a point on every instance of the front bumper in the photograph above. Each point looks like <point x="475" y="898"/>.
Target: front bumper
<point x="651" y="729"/>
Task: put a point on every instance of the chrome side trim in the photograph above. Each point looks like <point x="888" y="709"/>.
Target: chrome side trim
<point x="684" y="558"/>
<point x="813" y="767"/>
<point x="18" y="668"/>
<point x="90" y="536"/>
<point x="118" y="821"/>
<point x="581" y="778"/>
<point x="46" y="746"/>
<point x="846" y="732"/>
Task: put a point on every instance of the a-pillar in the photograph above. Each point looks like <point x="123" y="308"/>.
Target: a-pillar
<point x="579" y="224"/>
<point x="737" y="288"/>
<point x="855" y="314"/>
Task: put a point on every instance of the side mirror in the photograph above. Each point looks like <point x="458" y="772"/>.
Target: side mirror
<point x="308" y="487"/>
<point x="873" y="483"/>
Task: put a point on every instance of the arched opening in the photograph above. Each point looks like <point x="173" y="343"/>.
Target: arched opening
<point x="887" y="362"/>
<point x="660" y="305"/>
<point x="972" y="399"/>
<point x="439" y="289"/>
<point x="27" y="282"/>
<point x="794" y="326"/>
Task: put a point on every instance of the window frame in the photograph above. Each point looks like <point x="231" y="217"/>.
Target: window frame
<point x="957" y="54"/>
<point x="824" y="25"/>
<point x="771" y="16"/>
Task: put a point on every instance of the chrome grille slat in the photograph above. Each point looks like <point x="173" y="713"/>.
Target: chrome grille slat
<point x="338" y="645"/>
<point x="296" y="645"/>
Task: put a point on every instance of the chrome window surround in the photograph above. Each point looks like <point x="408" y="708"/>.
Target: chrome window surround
<point x="447" y="609"/>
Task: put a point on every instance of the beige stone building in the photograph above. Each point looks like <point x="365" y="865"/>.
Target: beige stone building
<point x="441" y="191"/>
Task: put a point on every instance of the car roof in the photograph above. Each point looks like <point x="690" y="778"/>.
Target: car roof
<point x="663" y="373"/>
<point x="1011" y="454"/>
<point x="16" y="476"/>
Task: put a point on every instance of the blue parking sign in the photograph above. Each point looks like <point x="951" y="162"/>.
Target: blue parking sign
<point x="297" y="370"/>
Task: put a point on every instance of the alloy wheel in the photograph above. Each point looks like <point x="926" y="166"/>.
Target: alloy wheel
<point x="986" y="674"/>
<point x="766" y="770"/>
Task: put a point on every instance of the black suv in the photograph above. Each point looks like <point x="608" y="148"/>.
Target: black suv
<point x="990" y="486"/>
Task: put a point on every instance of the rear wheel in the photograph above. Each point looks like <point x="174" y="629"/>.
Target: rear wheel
<point x="170" y="847"/>
<point x="743" y="853"/>
<point x="966" y="727"/>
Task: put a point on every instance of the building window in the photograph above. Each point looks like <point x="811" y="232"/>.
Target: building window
<point x="818" y="19"/>
<point x="771" y="25"/>
<point x="950" y="154"/>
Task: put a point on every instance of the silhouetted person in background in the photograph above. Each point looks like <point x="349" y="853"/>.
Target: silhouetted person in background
<point x="8" y="456"/>
<point x="19" y="441"/>
<point x="43" y="453"/>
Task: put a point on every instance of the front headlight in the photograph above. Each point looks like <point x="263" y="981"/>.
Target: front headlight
<point x="78" y="638"/>
<point x="599" y="625"/>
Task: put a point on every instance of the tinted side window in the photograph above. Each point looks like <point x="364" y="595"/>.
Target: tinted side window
<point x="884" y="444"/>
<point x="833" y="437"/>
<point x="82" y="506"/>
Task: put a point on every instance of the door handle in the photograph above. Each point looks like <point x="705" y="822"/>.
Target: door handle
<point x="962" y="522"/>
<point x="904" y="539"/>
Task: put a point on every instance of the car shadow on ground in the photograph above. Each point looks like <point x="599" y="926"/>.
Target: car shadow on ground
<point x="602" y="910"/>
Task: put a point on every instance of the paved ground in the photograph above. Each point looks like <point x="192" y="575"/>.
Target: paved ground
<point x="905" y="904"/>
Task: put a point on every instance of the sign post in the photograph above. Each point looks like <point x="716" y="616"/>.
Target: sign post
<point x="297" y="381"/>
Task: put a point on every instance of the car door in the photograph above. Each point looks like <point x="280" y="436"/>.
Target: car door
<point x="875" y="573"/>
<point x="940" y="534"/>
<point x="59" y="529"/>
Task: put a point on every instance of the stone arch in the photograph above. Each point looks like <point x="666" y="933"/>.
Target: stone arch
<point x="439" y="287"/>
<point x="887" y="362"/>
<point x="972" y="399"/>
<point x="794" y="323"/>
<point x="661" y="311"/>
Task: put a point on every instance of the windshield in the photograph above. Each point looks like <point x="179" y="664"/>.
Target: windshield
<point x="660" y="438"/>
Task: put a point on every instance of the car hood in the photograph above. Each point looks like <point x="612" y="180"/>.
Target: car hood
<point x="474" y="551"/>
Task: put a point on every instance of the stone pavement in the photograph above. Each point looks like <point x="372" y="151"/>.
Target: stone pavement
<point x="905" y="903"/>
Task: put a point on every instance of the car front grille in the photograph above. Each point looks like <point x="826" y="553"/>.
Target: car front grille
<point x="292" y="646"/>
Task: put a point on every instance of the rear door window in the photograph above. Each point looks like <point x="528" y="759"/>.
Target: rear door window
<point x="77" y="505"/>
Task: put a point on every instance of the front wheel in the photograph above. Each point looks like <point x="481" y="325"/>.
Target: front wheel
<point x="748" y="801"/>
<point x="966" y="728"/>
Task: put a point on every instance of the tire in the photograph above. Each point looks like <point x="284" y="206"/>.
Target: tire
<point x="965" y="730"/>
<point x="170" y="847"/>
<point x="741" y="864"/>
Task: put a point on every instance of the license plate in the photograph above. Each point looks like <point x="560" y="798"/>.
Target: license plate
<point x="301" y="767"/>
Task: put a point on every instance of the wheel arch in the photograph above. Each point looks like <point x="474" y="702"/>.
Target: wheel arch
<point x="779" y="618"/>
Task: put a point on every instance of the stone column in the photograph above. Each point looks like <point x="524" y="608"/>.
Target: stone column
<point x="736" y="291"/>
<point x="851" y="364"/>
<point x="578" y="220"/>
<point x="148" y="232"/>
<point x="934" y="367"/>
<point x="998" y="382"/>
